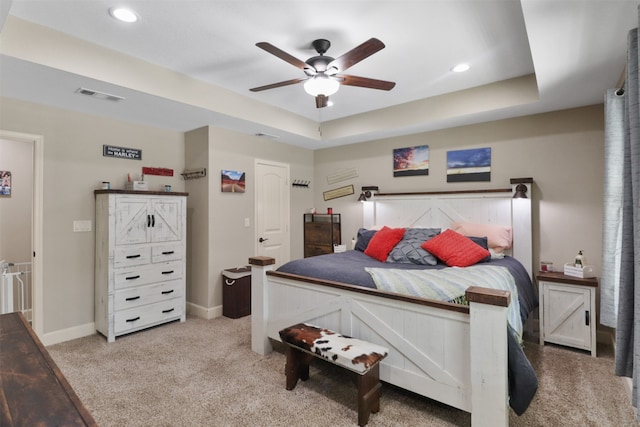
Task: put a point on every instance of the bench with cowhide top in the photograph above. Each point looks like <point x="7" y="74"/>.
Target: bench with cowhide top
<point x="305" y="341"/>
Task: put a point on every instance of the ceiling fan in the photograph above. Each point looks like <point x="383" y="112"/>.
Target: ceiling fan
<point x="323" y="76"/>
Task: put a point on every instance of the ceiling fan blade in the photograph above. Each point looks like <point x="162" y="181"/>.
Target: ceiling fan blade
<point x="283" y="55"/>
<point x="322" y="101"/>
<point x="365" y="82"/>
<point x="356" y="54"/>
<point x="279" y="84"/>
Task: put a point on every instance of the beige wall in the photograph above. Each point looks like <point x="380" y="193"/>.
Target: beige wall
<point x="73" y="168"/>
<point x="228" y="243"/>
<point x="15" y="210"/>
<point x="562" y="151"/>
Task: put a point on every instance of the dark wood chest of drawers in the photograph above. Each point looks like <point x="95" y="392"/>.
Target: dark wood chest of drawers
<point x="321" y="232"/>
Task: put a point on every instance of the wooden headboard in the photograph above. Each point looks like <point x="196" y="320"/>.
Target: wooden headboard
<point x="441" y="208"/>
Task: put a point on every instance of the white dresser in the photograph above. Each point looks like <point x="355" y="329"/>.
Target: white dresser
<point x="140" y="260"/>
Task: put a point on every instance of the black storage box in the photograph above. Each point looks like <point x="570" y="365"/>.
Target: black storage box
<point x="236" y="292"/>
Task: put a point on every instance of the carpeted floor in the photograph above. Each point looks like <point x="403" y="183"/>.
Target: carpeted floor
<point x="203" y="373"/>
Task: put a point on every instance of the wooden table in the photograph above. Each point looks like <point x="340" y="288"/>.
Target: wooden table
<point x="33" y="391"/>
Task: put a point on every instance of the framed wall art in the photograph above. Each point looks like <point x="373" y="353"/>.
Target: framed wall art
<point x="232" y="181"/>
<point x="5" y="183"/>
<point x="411" y="161"/>
<point x="469" y="165"/>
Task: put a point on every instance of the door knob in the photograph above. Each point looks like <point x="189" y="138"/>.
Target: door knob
<point x="262" y="240"/>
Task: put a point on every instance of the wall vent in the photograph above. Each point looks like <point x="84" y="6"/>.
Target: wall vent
<point x="267" y="135"/>
<point x="99" y="95"/>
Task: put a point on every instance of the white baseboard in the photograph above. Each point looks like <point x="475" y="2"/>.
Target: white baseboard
<point x="87" y="329"/>
<point x="204" y="312"/>
<point x="68" y="334"/>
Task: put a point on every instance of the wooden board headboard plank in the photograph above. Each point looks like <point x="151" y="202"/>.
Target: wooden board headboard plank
<point x="440" y="209"/>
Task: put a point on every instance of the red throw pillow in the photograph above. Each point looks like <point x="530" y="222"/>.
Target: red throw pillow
<point x="383" y="241"/>
<point x="454" y="249"/>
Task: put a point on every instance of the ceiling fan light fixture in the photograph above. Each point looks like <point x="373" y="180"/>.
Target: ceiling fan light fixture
<point x="321" y="85"/>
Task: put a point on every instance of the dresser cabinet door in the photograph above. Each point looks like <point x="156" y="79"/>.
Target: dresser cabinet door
<point x="166" y="220"/>
<point x="132" y="220"/>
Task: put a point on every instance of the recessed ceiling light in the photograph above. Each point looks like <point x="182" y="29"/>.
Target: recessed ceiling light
<point x="123" y="14"/>
<point x="460" y="68"/>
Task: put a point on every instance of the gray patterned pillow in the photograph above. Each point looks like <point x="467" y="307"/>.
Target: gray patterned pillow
<point x="408" y="250"/>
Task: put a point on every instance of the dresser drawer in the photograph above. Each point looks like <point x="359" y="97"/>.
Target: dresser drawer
<point x="131" y="256"/>
<point x="146" y="315"/>
<point x="164" y="253"/>
<point x="148" y="294"/>
<point x="136" y="276"/>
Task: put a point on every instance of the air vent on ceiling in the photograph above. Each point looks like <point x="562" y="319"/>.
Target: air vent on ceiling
<point x="267" y="135"/>
<point x="99" y="95"/>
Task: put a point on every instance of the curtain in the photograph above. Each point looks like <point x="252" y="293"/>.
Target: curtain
<point x="612" y="220"/>
<point x="627" y="362"/>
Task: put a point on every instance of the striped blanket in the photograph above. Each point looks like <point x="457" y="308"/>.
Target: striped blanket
<point x="449" y="284"/>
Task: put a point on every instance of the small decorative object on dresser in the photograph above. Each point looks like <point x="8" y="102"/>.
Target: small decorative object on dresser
<point x="567" y="310"/>
<point x="140" y="260"/>
<point x="321" y="233"/>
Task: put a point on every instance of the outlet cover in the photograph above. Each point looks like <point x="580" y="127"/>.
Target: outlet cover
<point x="80" y="226"/>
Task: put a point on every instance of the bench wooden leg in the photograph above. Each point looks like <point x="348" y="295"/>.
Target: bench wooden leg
<point x="297" y="366"/>
<point x="369" y="391"/>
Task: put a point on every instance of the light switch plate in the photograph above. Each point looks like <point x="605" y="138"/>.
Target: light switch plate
<point x="81" y="225"/>
<point x="247" y="222"/>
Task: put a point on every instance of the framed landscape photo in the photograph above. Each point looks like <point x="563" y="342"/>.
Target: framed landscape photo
<point x="469" y="165"/>
<point x="232" y="181"/>
<point x="411" y="161"/>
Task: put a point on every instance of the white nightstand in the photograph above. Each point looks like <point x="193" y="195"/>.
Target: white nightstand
<point x="567" y="310"/>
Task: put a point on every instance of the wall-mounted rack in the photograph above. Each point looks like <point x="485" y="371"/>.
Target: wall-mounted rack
<point x="300" y="183"/>
<point x="194" y="174"/>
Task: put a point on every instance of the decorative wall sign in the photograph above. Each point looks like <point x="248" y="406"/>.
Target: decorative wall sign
<point x="121" y="152"/>
<point x="342" y="175"/>
<point x="232" y="181"/>
<point x="5" y="183"/>
<point x="157" y="171"/>
<point x="469" y="165"/>
<point x="411" y="161"/>
<point x="338" y="192"/>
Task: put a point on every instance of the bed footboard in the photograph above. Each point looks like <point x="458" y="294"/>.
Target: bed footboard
<point x="450" y="353"/>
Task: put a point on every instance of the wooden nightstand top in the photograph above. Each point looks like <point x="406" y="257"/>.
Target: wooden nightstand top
<point x="556" y="276"/>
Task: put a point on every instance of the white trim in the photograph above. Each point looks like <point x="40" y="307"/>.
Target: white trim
<point x="68" y="334"/>
<point x="37" y="230"/>
<point x="204" y="312"/>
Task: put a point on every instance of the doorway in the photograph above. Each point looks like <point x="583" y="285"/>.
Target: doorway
<point x="272" y="201"/>
<point x="34" y="244"/>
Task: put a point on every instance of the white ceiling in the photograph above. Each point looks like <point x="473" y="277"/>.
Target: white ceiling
<point x="576" y="50"/>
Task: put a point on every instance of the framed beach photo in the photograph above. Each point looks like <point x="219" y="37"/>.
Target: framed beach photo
<point x="469" y="165"/>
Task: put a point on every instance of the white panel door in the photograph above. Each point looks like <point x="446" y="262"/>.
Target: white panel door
<point x="272" y="210"/>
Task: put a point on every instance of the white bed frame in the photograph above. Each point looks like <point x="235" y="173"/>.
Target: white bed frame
<point x="450" y="353"/>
